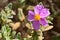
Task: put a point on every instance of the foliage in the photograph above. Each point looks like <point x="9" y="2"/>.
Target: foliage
<point x="8" y="14"/>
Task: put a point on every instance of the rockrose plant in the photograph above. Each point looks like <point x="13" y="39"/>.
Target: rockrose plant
<point x="38" y="16"/>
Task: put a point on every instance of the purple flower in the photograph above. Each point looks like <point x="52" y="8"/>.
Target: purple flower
<point x="38" y="17"/>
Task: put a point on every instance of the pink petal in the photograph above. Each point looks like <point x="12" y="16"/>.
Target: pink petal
<point x="37" y="8"/>
<point x="30" y="16"/>
<point x="44" y="13"/>
<point x="36" y="25"/>
<point x="43" y="22"/>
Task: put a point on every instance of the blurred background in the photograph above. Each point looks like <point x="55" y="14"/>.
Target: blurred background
<point x="52" y="5"/>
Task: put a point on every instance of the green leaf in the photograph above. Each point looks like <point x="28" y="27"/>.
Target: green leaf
<point x="13" y="34"/>
<point x="18" y="36"/>
<point x="6" y="32"/>
<point x="21" y="1"/>
<point x="9" y="5"/>
<point x="35" y="36"/>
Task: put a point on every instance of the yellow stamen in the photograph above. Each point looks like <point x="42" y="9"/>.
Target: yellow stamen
<point x="37" y="17"/>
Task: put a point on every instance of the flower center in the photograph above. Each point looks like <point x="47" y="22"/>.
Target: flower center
<point x="37" y="17"/>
